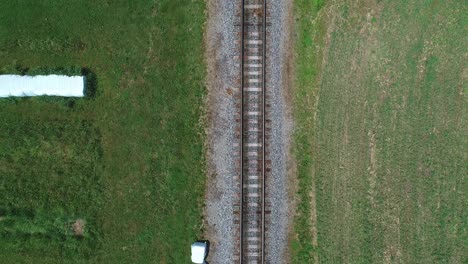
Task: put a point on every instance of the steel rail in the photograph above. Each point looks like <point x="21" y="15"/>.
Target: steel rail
<point x="241" y="205"/>
<point x="263" y="127"/>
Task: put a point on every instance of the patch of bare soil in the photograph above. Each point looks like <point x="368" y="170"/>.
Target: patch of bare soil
<point x="288" y="91"/>
<point x="78" y="227"/>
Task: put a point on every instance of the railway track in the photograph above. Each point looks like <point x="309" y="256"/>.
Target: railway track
<point x="253" y="133"/>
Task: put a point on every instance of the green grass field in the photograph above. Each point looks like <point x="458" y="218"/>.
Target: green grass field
<point x="128" y="161"/>
<point x="382" y="132"/>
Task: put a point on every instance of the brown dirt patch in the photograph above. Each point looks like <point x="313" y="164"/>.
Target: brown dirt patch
<point x="79" y="227"/>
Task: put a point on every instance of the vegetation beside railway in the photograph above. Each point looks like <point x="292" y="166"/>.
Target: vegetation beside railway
<point x="309" y="36"/>
<point x="381" y="132"/>
<point x="128" y="161"/>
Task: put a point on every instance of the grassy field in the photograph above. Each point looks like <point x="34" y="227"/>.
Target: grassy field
<point x="382" y="132"/>
<point x="128" y="161"/>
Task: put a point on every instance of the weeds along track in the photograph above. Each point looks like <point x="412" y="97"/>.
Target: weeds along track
<point x="252" y="208"/>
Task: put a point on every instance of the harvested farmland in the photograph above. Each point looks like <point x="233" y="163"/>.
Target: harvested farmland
<point x="381" y="139"/>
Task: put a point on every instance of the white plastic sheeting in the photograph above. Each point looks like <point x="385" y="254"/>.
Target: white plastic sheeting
<point x="199" y="250"/>
<point x="52" y="85"/>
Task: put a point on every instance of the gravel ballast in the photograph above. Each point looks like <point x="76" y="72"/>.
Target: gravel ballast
<point x="223" y="74"/>
<point x="281" y="123"/>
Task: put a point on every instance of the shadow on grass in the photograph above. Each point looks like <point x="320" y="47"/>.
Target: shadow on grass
<point x="91" y="83"/>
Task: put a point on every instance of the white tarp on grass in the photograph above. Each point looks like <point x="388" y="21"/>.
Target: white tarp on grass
<point x="52" y="85"/>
